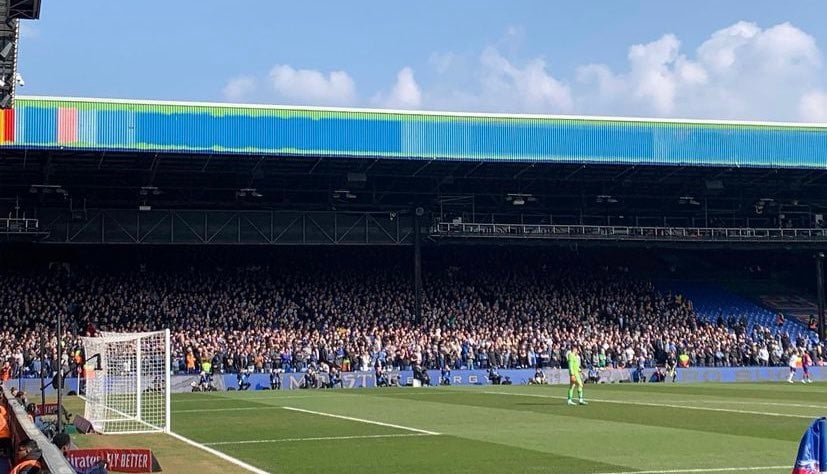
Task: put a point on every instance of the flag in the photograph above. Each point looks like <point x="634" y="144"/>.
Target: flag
<point x="812" y="452"/>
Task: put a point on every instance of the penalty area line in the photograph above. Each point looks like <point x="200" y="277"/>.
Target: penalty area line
<point x="362" y="420"/>
<point x="323" y="438"/>
<point x="214" y="452"/>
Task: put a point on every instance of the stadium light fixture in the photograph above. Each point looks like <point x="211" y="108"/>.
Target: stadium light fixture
<point x="46" y="189"/>
<point x="7" y="50"/>
<point x="19" y="79"/>
<point x="244" y="192"/>
<point x="147" y="190"/>
<point x="519" y="199"/>
<point x="688" y="200"/>
<point x="343" y="194"/>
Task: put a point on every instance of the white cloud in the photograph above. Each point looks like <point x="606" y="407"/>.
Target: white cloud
<point x="741" y="72"/>
<point x="494" y="82"/>
<point x="239" y="88"/>
<point x="405" y="93"/>
<point x="813" y="107"/>
<point x="527" y="88"/>
<point x="313" y="87"/>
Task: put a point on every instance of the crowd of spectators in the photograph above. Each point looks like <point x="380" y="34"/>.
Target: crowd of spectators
<point x="479" y="310"/>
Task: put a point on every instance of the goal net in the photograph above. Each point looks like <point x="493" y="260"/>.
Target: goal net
<point x="127" y="382"/>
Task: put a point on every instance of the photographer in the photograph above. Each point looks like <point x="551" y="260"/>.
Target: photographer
<point x="335" y="378"/>
<point x="420" y="374"/>
<point x="494" y="377"/>
<point x="539" y="378"/>
<point x="242" y="376"/>
<point x="593" y="375"/>
<point x="310" y="379"/>
<point x="379" y="373"/>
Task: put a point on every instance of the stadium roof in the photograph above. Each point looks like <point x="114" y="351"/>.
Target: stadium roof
<point x="194" y="128"/>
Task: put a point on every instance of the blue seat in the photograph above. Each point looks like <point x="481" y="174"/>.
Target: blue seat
<point x="709" y="301"/>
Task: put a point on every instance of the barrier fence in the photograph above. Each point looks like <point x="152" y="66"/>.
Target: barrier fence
<point x="22" y="429"/>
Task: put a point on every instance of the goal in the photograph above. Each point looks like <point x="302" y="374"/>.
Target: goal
<point x="128" y="382"/>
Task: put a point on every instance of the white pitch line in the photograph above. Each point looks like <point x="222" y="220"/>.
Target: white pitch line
<point x="325" y="438"/>
<point x="663" y="405"/>
<point x="718" y="469"/>
<point x="221" y="455"/>
<point x="206" y="410"/>
<point x="208" y="399"/>
<point x="362" y="420"/>
<point x="774" y="404"/>
<point x="744" y="402"/>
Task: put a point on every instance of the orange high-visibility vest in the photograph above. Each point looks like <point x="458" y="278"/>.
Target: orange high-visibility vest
<point x="5" y="432"/>
<point x="24" y="465"/>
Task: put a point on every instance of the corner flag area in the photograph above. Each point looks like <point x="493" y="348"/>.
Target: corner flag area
<point x="651" y="428"/>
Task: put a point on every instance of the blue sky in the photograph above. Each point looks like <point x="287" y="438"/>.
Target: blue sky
<point x="759" y="60"/>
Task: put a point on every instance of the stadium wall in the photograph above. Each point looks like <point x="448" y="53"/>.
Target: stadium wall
<point x="112" y="125"/>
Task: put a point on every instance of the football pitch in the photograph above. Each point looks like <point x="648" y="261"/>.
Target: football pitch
<point x="653" y="428"/>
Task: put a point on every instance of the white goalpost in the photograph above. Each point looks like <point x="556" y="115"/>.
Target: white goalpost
<point x="128" y="382"/>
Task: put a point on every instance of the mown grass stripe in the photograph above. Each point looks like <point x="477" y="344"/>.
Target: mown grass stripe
<point x="715" y="469"/>
<point x="320" y="438"/>
<point x="659" y="405"/>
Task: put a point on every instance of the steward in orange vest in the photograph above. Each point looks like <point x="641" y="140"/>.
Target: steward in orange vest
<point x="5" y="432"/>
<point x="5" y="372"/>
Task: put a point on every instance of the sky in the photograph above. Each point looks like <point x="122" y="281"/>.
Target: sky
<point x="711" y="59"/>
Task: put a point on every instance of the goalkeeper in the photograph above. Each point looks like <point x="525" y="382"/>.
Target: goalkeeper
<point x="573" y="359"/>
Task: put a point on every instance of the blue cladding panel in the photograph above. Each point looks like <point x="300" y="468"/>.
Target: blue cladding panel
<point x="40" y="125"/>
<point x="119" y="130"/>
<point x="87" y="126"/>
<point x="278" y="131"/>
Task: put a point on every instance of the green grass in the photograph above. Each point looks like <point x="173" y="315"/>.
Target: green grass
<point x="625" y="428"/>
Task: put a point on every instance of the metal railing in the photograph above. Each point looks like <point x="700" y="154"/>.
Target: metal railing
<point x="22" y="426"/>
<point x="15" y="225"/>
<point x="632" y="233"/>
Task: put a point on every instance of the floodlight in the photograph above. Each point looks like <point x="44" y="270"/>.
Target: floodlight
<point x="7" y="50"/>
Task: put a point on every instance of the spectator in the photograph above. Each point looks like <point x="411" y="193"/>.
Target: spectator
<point x="64" y="443"/>
<point x="501" y="312"/>
<point x="28" y="459"/>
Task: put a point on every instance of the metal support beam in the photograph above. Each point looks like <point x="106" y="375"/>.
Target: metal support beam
<point x="417" y="268"/>
<point x="205" y="227"/>
<point x="822" y="330"/>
